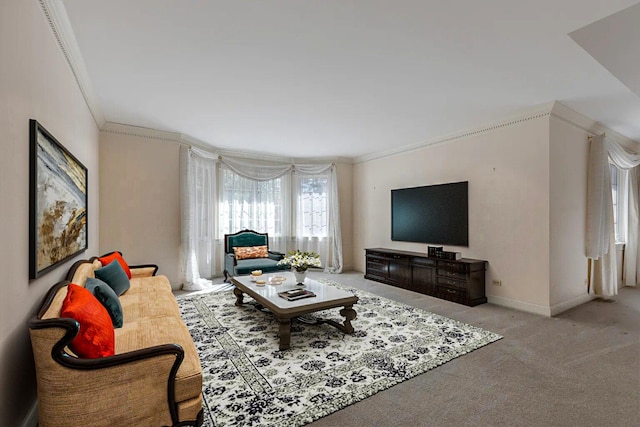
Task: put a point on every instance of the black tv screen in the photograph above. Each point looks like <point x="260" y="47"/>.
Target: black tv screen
<point x="436" y="214"/>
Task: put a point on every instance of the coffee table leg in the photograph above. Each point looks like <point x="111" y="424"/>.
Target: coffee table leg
<point x="239" y="296"/>
<point x="349" y="314"/>
<point x="285" y="333"/>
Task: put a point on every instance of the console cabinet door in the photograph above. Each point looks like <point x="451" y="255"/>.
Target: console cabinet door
<point x="399" y="269"/>
<point x="422" y="279"/>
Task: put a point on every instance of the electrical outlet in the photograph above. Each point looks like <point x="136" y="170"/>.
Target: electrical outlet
<point x="496" y="282"/>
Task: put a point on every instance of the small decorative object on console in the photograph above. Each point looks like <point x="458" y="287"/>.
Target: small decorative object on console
<point x="434" y="250"/>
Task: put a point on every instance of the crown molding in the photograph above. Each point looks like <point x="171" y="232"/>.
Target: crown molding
<point x="531" y="114"/>
<point x="552" y="109"/>
<point x="562" y="112"/>
<point x="142" y="132"/>
<point x="186" y="140"/>
<point x="59" y="23"/>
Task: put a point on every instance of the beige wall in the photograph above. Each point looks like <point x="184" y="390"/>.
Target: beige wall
<point x="569" y="147"/>
<point x="140" y="201"/>
<point x="508" y="172"/>
<point x="35" y="82"/>
<point x="345" y="196"/>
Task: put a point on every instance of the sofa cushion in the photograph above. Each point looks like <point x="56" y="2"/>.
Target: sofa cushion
<point x="108" y="298"/>
<point x="96" y="337"/>
<point x="148" y="332"/>
<point x="246" y="266"/>
<point x="107" y="259"/>
<point x="249" y="252"/>
<point x="114" y="276"/>
<point x="149" y="297"/>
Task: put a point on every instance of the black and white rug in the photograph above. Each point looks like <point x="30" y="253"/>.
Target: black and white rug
<point x="248" y="381"/>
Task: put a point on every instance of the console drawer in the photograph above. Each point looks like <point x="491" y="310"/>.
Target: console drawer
<point x="376" y="267"/>
<point x="460" y="284"/>
<point x="452" y="273"/>
<point x="423" y="262"/>
<point x="451" y="294"/>
<point x="453" y="266"/>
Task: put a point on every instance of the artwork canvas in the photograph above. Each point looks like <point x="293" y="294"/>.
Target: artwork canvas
<point x="58" y="203"/>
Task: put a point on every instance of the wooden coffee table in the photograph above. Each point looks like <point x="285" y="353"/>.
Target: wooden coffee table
<point x="284" y="310"/>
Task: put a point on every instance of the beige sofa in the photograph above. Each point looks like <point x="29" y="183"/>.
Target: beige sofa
<point x="154" y="378"/>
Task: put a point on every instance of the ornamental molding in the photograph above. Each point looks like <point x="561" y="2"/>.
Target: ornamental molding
<point x="189" y="141"/>
<point x="592" y="127"/>
<point x="532" y="114"/>
<point x="58" y="20"/>
<point x="555" y="109"/>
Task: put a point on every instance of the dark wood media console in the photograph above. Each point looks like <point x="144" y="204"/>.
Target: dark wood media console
<point x="460" y="281"/>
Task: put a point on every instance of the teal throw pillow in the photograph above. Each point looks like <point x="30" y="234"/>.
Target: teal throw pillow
<point x="114" y="276"/>
<point x="107" y="298"/>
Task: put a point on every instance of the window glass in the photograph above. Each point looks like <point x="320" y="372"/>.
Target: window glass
<point x="250" y="204"/>
<point x="313" y="207"/>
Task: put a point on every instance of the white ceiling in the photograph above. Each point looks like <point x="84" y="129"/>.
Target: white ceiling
<point x="346" y="78"/>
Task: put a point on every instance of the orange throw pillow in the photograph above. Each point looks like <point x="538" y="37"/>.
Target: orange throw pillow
<point x="246" y="252"/>
<point x="96" y="337"/>
<point x="106" y="260"/>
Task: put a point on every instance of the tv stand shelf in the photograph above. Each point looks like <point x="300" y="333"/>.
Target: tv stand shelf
<point x="460" y="281"/>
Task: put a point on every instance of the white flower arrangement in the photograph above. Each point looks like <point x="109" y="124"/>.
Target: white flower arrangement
<point x="301" y="261"/>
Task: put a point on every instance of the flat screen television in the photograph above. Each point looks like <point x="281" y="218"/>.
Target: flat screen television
<point x="436" y="214"/>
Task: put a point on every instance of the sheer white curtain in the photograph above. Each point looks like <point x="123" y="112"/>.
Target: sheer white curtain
<point x="296" y="204"/>
<point x="317" y="214"/>
<point x="600" y="242"/>
<point x="198" y="211"/>
<point x="255" y="196"/>
<point x="631" y="273"/>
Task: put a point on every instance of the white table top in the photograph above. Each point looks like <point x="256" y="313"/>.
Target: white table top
<point x="269" y="291"/>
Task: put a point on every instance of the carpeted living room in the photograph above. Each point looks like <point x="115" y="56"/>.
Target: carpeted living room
<point x="459" y="183"/>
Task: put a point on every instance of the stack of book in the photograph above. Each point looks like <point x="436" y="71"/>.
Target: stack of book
<point x="296" y="294"/>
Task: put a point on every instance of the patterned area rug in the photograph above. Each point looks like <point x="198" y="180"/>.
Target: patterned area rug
<point x="248" y="381"/>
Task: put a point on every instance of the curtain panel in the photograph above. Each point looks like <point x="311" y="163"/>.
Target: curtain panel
<point x="631" y="273"/>
<point x="259" y="199"/>
<point x="328" y="243"/>
<point x="600" y="240"/>
<point x="198" y="213"/>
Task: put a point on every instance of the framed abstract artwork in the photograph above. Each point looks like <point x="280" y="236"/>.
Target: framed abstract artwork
<point x="57" y="202"/>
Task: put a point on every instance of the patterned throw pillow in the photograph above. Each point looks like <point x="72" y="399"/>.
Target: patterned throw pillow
<point x="246" y="252"/>
<point x="96" y="337"/>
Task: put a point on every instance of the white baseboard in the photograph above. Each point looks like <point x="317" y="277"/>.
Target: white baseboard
<point x="31" y="420"/>
<point x="540" y="309"/>
<point x="573" y="302"/>
<point x="519" y="305"/>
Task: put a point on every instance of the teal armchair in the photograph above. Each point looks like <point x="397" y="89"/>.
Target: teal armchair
<point x="245" y="241"/>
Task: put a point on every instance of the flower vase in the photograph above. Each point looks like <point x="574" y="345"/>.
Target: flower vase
<point x="300" y="276"/>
